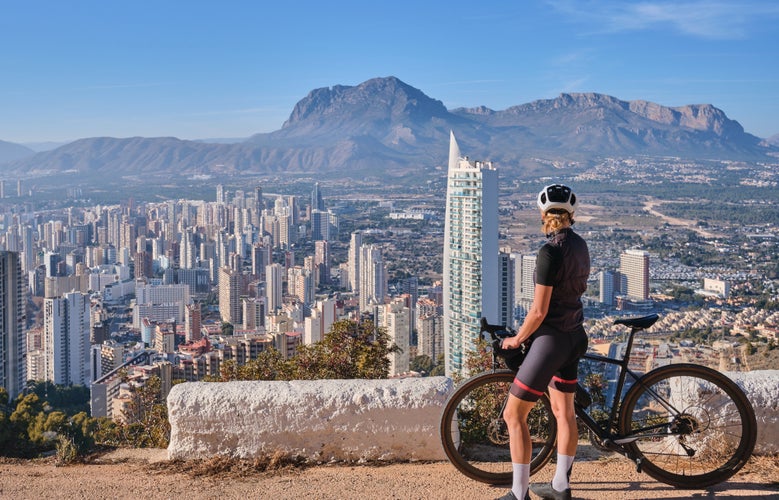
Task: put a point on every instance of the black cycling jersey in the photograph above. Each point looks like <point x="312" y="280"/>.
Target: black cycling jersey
<point x="553" y="359"/>
<point x="564" y="264"/>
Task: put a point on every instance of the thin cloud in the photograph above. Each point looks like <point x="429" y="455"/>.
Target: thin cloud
<point x="574" y="85"/>
<point x="128" y="85"/>
<point x="702" y="18"/>
<point x="233" y="112"/>
<point x="465" y="82"/>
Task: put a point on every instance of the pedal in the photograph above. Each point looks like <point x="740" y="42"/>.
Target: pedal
<point x="638" y="465"/>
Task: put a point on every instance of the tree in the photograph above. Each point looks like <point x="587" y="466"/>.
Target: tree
<point x="351" y="349"/>
<point x="440" y="367"/>
<point x="146" y="416"/>
<point x="422" y="364"/>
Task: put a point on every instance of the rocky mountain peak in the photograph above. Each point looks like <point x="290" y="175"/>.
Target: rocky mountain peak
<point x="384" y="99"/>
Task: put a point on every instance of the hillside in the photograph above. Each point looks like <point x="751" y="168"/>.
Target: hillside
<point x="386" y="127"/>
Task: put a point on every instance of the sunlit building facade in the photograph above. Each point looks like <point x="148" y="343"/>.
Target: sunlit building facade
<point x="471" y="265"/>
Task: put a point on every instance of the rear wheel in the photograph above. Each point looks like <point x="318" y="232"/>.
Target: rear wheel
<point x="693" y="427"/>
<point x="475" y="437"/>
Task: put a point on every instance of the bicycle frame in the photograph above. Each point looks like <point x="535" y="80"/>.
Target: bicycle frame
<point x="605" y="432"/>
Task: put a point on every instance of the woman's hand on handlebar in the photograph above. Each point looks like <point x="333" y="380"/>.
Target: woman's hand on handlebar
<point x="511" y="342"/>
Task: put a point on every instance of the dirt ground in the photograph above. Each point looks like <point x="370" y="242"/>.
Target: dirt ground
<point x="148" y="474"/>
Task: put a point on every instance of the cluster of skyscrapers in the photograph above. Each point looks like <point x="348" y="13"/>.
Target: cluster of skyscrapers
<point x="182" y="270"/>
<point x="207" y="282"/>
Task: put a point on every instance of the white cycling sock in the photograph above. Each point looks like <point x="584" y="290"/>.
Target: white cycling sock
<point x="560" y="481"/>
<point x="521" y="479"/>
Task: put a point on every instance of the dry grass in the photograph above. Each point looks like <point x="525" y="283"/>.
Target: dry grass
<point x="765" y="468"/>
<point x="222" y="467"/>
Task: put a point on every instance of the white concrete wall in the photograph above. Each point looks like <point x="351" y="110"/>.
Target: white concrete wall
<point x="354" y="419"/>
<point x="321" y="419"/>
<point x="762" y="390"/>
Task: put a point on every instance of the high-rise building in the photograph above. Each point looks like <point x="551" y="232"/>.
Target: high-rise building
<point x="395" y="317"/>
<point x="527" y="290"/>
<point x="609" y="285"/>
<point x="634" y="265"/>
<point x="187" y="254"/>
<point x="66" y="332"/>
<point x="317" y="203"/>
<point x="229" y="296"/>
<point x="354" y="261"/>
<point x="429" y="328"/>
<point x="253" y="313"/>
<point x="192" y="323"/>
<point x="471" y="271"/>
<point x="273" y="288"/>
<point x="261" y="257"/>
<point x="320" y="225"/>
<point x="506" y="289"/>
<point x="322" y="262"/>
<point x="13" y="351"/>
<point x="373" y="277"/>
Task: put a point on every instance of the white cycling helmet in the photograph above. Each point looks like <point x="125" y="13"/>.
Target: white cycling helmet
<point x="557" y="196"/>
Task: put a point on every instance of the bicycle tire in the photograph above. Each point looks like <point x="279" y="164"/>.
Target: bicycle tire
<point x="474" y="435"/>
<point x="696" y="427"/>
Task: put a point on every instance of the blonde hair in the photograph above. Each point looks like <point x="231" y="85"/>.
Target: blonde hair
<point x="556" y="220"/>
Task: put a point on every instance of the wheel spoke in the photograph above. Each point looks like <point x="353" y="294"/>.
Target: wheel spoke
<point x="694" y="427"/>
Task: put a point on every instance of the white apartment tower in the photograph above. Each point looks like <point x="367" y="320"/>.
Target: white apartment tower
<point x="13" y="362"/>
<point x="395" y="317"/>
<point x="471" y="272"/>
<point x="229" y="296"/>
<point x="373" y="277"/>
<point x="273" y="287"/>
<point x="66" y="329"/>
<point x="354" y="261"/>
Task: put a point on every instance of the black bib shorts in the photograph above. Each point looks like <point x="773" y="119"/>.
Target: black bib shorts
<point x="553" y="360"/>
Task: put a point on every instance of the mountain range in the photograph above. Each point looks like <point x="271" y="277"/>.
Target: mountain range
<point x="386" y="127"/>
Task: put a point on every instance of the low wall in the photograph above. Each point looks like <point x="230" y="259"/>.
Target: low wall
<point x="327" y="420"/>
<point x="319" y="419"/>
<point x="761" y="389"/>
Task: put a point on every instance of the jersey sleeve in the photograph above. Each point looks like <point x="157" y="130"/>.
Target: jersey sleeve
<point x="547" y="265"/>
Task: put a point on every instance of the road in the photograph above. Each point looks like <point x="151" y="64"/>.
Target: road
<point x="147" y="474"/>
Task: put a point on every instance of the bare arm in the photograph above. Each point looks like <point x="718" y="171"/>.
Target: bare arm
<point x="535" y="316"/>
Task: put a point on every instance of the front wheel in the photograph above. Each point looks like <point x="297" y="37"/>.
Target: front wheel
<point x="475" y="437"/>
<point x="691" y="426"/>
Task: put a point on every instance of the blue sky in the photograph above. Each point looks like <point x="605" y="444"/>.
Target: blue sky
<point x="196" y="69"/>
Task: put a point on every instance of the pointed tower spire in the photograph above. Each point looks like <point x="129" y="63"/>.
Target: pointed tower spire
<point x="454" y="151"/>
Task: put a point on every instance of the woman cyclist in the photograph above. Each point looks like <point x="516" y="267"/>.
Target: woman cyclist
<point x="554" y="326"/>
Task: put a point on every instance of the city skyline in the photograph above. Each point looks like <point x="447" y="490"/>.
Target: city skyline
<point x="195" y="72"/>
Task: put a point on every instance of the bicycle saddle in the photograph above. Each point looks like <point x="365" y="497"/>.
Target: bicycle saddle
<point x="638" y="323"/>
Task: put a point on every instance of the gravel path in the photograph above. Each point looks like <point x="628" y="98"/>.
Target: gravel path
<point x="147" y="474"/>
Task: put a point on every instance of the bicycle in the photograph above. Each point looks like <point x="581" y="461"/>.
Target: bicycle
<point x="685" y="425"/>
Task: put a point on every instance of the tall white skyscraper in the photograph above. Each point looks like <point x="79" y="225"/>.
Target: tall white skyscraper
<point x="13" y="362"/>
<point x="354" y="261"/>
<point x="373" y="277"/>
<point x="66" y="339"/>
<point x="471" y="270"/>
<point x="273" y="288"/>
